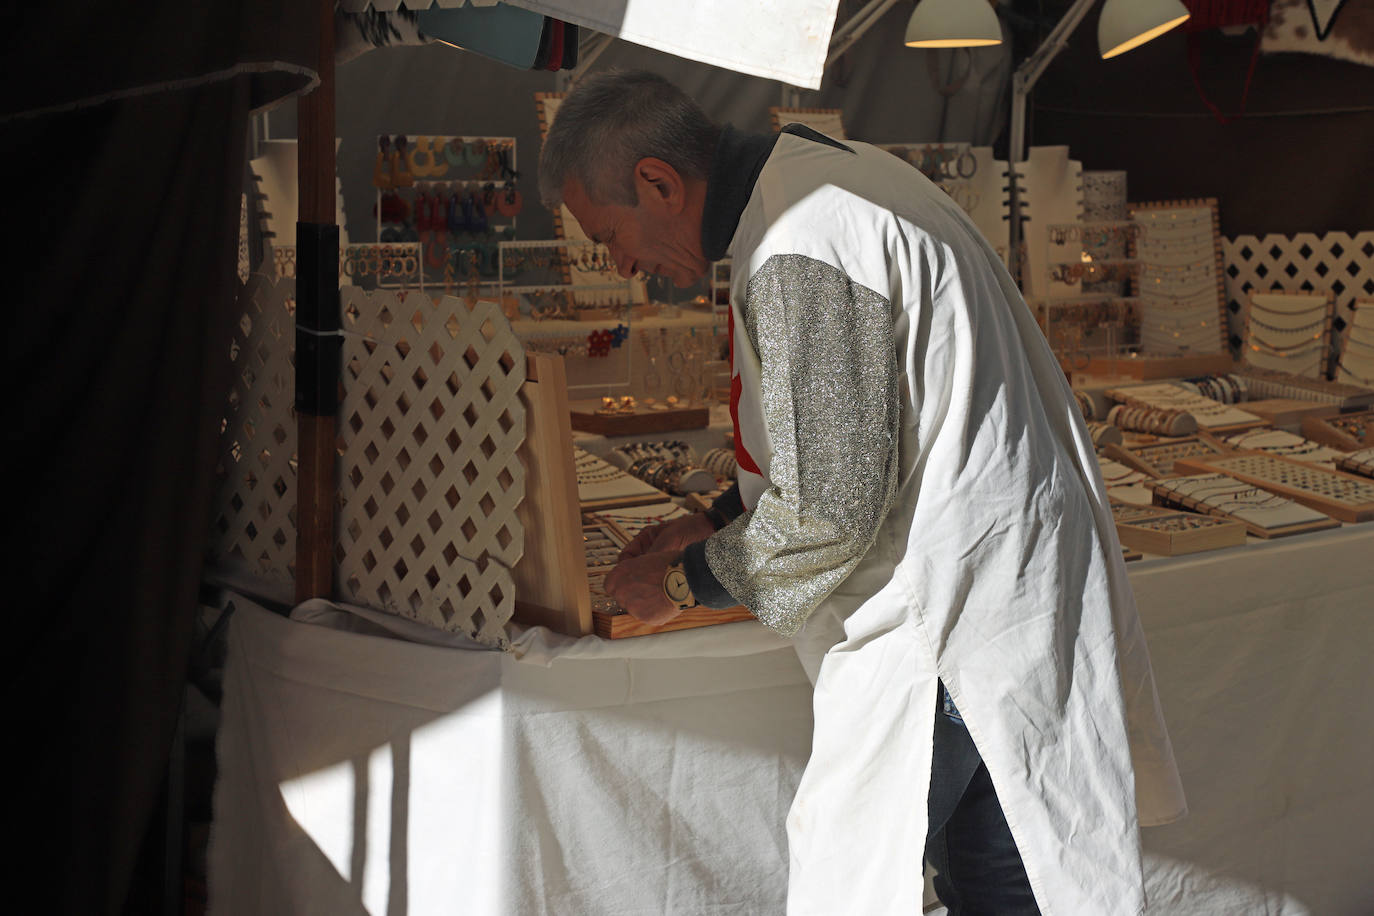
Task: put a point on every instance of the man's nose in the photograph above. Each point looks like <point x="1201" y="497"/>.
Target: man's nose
<point x="622" y="263"/>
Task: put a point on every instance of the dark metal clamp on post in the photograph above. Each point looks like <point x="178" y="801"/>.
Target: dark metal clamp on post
<point x="319" y="341"/>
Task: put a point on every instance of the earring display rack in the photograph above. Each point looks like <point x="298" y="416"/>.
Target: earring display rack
<point x="1360" y="463"/>
<point x="1158" y="459"/>
<point x="1347" y="431"/>
<point x="1288" y="332"/>
<point x="569" y="301"/>
<point x="1341" y="496"/>
<point x="1082" y="327"/>
<point x="1356" y="362"/>
<point x="1264" y="514"/>
<point x="453" y="195"/>
<point x="1050" y="188"/>
<point x="1171" y="533"/>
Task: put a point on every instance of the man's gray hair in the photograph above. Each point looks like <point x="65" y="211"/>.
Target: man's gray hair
<point x="609" y="122"/>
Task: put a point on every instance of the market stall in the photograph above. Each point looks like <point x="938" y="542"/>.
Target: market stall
<point x="511" y="412"/>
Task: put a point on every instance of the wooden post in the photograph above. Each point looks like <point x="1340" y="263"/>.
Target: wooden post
<point x="318" y="343"/>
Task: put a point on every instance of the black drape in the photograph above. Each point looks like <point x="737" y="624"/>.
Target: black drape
<point x="1296" y="160"/>
<point x="128" y="214"/>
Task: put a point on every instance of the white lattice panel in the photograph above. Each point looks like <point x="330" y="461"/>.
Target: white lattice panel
<point x="254" y="528"/>
<point x="1338" y="261"/>
<point x="429" y="479"/>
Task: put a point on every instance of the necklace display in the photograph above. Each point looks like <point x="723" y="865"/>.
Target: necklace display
<point x="1356" y="362"/>
<point x="1280" y="442"/>
<point x="1219" y="494"/>
<point x="1177" y="250"/>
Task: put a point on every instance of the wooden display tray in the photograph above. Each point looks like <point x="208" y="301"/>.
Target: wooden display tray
<point x="1156" y="368"/>
<point x="1321" y="429"/>
<point x="552" y="578"/>
<point x="1147" y="457"/>
<point x="1214" y="533"/>
<point x="1287" y="411"/>
<point x="1337" y="509"/>
<point x="585" y="418"/>
<point x="1359" y="463"/>
<point x="1172" y="501"/>
<point x="622" y="626"/>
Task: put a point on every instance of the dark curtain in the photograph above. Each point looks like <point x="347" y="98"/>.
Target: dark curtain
<point x="128" y="211"/>
<point x="1297" y="159"/>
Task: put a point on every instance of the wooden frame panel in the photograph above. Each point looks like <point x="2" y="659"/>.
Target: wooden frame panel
<point x="551" y="577"/>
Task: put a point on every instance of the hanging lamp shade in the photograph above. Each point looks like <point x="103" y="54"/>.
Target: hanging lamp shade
<point x="953" y="24"/>
<point x="1127" y="24"/>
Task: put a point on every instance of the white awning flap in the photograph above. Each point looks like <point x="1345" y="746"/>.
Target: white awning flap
<point x="784" y="40"/>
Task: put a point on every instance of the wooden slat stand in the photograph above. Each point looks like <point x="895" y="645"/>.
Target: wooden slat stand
<point x="551" y="578"/>
<point x="317" y="340"/>
<point x="552" y="587"/>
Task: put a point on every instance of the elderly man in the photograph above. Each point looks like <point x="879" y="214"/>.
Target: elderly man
<point x="918" y="502"/>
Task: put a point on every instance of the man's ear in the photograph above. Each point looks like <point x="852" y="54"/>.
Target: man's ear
<point x="659" y="185"/>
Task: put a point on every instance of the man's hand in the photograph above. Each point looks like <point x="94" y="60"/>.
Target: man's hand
<point x="636" y="584"/>
<point x="672" y="535"/>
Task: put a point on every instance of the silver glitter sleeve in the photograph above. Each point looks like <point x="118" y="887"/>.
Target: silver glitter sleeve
<point x="830" y="402"/>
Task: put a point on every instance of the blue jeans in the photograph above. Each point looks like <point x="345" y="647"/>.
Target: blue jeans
<point x="968" y="843"/>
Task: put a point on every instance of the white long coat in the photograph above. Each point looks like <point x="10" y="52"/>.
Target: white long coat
<point x="997" y="569"/>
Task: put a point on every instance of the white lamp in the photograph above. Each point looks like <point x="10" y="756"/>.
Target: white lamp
<point x="1128" y="25"/>
<point x="1125" y="24"/>
<point x="953" y="24"/>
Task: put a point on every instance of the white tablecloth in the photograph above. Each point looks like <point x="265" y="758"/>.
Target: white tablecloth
<point x="364" y="774"/>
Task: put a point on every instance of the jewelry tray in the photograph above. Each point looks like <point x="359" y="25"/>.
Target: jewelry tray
<point x="641" y="420"/>
<point x="1170" y="532"/>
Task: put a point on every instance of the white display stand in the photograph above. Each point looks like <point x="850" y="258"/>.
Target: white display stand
<point x="363" y="774"/>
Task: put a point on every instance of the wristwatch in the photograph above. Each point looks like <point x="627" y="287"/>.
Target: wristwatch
<point x="676" y="589"/>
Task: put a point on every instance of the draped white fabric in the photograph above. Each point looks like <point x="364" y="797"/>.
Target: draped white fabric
<point x="361" y="774"/>
<point x="783" y="40"/>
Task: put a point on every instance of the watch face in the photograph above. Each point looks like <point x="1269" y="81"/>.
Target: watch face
<point x="675" y="585"/>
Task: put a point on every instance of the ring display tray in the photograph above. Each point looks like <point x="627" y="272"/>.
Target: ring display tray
<point x="1264" y="514"/>
<point x="1157" y="459"/>
<point x="1341" y="496"/>
<point x="1169" y="533"/>
<point x="1347" y="432"/>
<point x="637" y="421"/>
<point x="609" y="620"/>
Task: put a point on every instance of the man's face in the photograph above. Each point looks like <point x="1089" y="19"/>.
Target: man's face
<point x="659" y="235"/>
